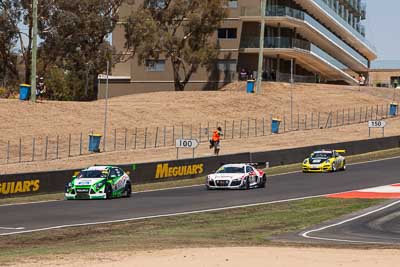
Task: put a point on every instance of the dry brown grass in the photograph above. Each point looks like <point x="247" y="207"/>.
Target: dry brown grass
<point x="50" y="118"/>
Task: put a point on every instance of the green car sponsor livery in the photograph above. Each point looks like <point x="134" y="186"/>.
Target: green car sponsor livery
<point x="99" y="182"/>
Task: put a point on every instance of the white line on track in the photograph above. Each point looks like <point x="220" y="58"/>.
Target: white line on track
<point x="197" y="185"/>
<point x="161" y="216"/>
<point x="12" y="228"/>
<point x="307" y="233"/>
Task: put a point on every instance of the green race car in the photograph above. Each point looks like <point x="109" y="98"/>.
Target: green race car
<point x="99" y="182"/>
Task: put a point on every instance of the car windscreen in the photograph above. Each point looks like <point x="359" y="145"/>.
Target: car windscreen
<point x="230" y="169"/>
<point x="321" y="155"/>
<point x="93" y="174"/>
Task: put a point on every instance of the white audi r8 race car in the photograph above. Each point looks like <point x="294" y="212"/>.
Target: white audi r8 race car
<point x="236" y="176"/>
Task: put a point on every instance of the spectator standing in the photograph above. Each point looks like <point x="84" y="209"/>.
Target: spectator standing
<point x="40" y="89"/>
<point x="215" y="141"/>
<point x="243" y="75"/>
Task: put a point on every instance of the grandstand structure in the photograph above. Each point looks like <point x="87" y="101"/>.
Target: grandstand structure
<point x="316" y="40"/>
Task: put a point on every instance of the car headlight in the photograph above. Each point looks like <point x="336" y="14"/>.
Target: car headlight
<point x="305" y="161"/>
<point x="69" y="184"/>
<point x="327" y="161"/>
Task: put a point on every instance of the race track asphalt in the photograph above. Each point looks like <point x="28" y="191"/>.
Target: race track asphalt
<point x="377" y="225"/>
<point x="39" y="216"/>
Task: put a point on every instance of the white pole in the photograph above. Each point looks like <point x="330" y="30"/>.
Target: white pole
<point x="34" y="49"/>
<point x="261" y="50"/>
<point x="291" y="93"/>
<point x="106" y="108"/>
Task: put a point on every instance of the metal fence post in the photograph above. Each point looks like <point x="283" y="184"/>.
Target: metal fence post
<point x="173" y="134"/>
<point x="255" y="127"/>
<point x="360" y="115"/>
<point x="58" y="139"/>
<point x="20" y="150"/>
<point x="319" y="118"/>
<point x="156" y="138"/>
<point x="8" y="151"/>
<point x="80" y="145"/>
<point x="248" y="127"/>
<point x="354" y="115"/>
<point x="376" y="116"/>
<point x="145" y="137"/>
<point x="69" y="145"/>
<point x="208" y="130"/>
<point x="225" y="131"/>
<point x="182" y="131"/>
<point x="240" y="129"/>
<point x="305" y="121"/>
<point x="284" y="123"/>
<point x="233" y="129"/>
<point x="348" y="116"/>
<point x="263" y="126"/>
<point x="337" y="117"/>
<point x="298" y="121"/>
<point x="125" y="139"/>
<point x="33" y="148"/>
<point x="47" y="144"/>
<point x="164" y="136"/>
<point x="200" y="133"/>
<point x="312" y="120"/>
<point x="135" y="143"/>
<point x="115" y="139"/>
<point x="366" y="114"/>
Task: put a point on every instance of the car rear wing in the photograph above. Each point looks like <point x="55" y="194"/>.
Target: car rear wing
<point x="340" y="150"/>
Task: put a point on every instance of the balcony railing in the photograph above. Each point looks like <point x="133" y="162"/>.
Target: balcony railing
<point x="343" y="22"/>
<point x="298" y="14"/>
<point x="287" y="42"/>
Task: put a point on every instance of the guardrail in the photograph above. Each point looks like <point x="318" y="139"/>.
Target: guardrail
<point x="14" y="185"/>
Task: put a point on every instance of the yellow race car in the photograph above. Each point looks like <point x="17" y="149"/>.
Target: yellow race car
<point x="325" y="161"/>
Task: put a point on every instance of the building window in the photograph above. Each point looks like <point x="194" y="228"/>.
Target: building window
<point x="227" y="33"/>
<point x="155" y="65"/>
<point x="232" y="3"/>
<point x="226" y="65"/>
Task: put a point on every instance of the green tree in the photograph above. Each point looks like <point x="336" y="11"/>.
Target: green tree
<point x="8" y="38"/>
<point x="74" y="34"/>
<point x="178" y="30"/>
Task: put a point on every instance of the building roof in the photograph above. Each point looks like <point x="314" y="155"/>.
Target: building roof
<point x="385" y="65"/>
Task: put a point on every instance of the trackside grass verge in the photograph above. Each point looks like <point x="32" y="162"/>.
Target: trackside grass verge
<point x="251" y="226"/>
<point x="200" y="180"/>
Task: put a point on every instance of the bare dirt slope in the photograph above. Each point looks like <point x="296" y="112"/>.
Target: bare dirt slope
<point x="24" y="119"/>
<point x="166" y="108"/>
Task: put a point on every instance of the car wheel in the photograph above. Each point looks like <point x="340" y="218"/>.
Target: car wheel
<point x="263" y="182"/>
<point x="108" y="191"/>
<point x="128" y="190"/>
<point x="344" y="166"/>
<point x="247" y="184"/>
<point x="333" y="167"/>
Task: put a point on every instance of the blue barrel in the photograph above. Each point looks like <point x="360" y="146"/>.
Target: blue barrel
<point x="24" y="91"/>
<point x="250" y="86"/>
<point x="94" y="142"/>
<point x="275" y="126"/>
<point x="393" y="109"/>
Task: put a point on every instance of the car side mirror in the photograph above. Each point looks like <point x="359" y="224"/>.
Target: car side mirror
<point x="113" y="176"/>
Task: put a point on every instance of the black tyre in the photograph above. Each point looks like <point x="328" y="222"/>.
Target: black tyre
<point x="108" y="191"/>
<point x="344" y="166"/>
<point x="128" y="190"/>
<point x="247" y="184"/>
<point x="333" y="167"/>
<point x="263" y="182"/>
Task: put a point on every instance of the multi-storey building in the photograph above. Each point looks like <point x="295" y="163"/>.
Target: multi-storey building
<point x="317" y="40"/>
